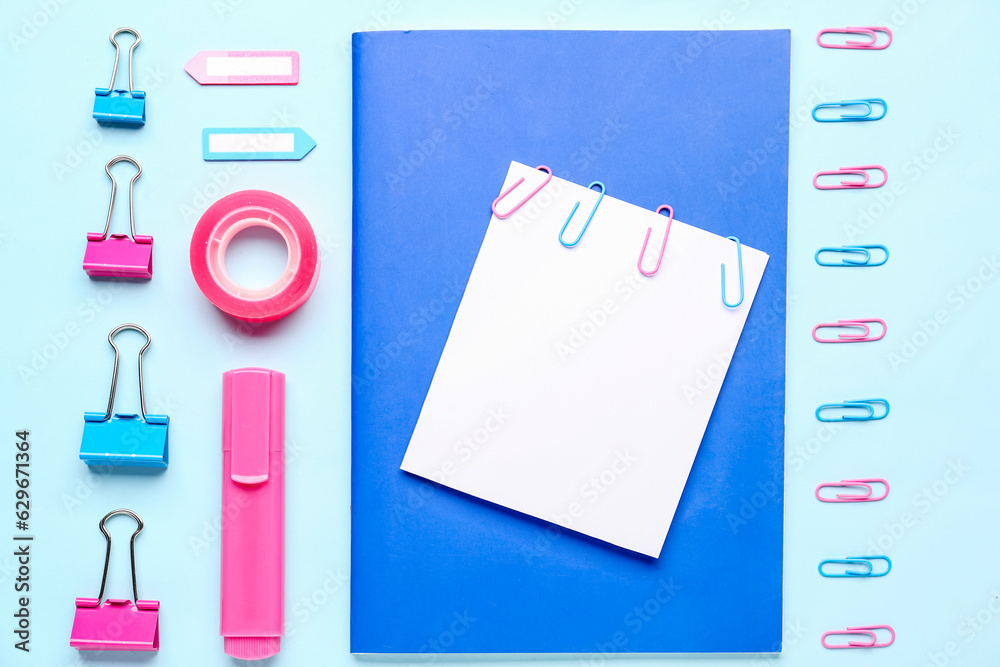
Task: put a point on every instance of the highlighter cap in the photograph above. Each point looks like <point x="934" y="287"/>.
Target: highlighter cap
<point x="253" y="425"/>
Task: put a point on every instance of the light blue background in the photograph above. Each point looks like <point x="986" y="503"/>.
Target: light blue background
<point x="938" y="142"/>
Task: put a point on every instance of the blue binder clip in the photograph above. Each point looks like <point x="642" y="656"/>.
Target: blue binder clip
<point x="124" y="107"/>
<point x="125" y="439"/>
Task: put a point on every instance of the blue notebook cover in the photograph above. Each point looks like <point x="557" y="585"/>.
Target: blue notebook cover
<point x="696" y="120"/>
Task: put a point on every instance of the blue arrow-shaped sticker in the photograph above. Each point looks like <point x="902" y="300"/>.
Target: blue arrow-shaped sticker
<point x="255" y="143"/>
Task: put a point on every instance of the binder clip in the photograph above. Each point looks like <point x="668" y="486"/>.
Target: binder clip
<point x="125" y="107"/>
<point x="116" y="625"/>
<point x="125" y="439"/>
<point x="119" y="255"/>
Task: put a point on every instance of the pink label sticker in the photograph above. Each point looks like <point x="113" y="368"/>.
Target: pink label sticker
<point x="244" y="67"/>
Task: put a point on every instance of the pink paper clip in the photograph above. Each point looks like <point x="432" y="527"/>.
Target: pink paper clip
<point x="868" y="630"/>
<point x="863" y="337"/>
<point x="871" y="31"/>
<point x="119" y="255"/>
<point x="112" y="624"/>
<point x="865" y="497"/>
<point x="663" y="246"/>
<point x="504" y="216"/>
<point x="852" y="185"/>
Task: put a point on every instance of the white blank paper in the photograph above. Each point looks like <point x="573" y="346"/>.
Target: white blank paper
<point x="566" y="387"/>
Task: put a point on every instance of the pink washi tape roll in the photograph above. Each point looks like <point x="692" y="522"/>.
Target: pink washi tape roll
<point x="228" y="217"/>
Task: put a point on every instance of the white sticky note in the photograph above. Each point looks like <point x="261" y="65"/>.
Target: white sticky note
<point x="283" y="142"/>
<point x="560" y="392"/>
<point x="248" y="66"/>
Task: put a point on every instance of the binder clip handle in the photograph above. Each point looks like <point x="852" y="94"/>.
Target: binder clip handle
<point x="114" y="386"/>
<point x="107" y="555"/>
<point x="114" y="70"/>
<point x="114" y="189"/>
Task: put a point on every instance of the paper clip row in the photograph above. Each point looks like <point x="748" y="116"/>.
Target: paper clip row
<point x="853" y="331"/>
<point x="845" y="414"/>
<point x="593" y="211"/>
<point x="851" y="117"/>
<point x="868" y="631"/>
<point x="865" y="497"/>
<point x="851" y="255"/>
<point x="846" y="572"/>
<point x="871" y="32"/>
<point x="863" y="337"/>
<point x="861" y="170"/>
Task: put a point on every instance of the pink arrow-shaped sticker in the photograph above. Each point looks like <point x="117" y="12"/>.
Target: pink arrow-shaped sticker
<point x="244" y="67"/>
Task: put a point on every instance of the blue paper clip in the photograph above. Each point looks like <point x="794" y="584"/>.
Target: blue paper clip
<point x="125" y="107"/>
<point x="855" y="561"/>
<point x="849" y="250"/>
<point x="867" y="404"/>
<point x="125" y="439"/>
<point x="589" y="218"/>
<point x="739" y="257"/>
<point x="851" y="117"/>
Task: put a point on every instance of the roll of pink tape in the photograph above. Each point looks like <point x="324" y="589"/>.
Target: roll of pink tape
<point x="228" y="217"/>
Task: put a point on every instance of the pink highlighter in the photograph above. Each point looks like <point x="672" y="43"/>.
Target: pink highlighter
<point x="253" y="506"/>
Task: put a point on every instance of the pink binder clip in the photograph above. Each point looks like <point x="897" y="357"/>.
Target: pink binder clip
<point x="851" y="185"/>
<point x="870" y="44"/>
<point x="865" y="497"/>
<point x="112" y="624"/>
<point x="119" y="255"/>
<point x="863" y="337"/>
<point x="866" y="630"/>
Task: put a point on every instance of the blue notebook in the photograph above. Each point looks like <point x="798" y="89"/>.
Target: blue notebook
<point x="696" y="120"/>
